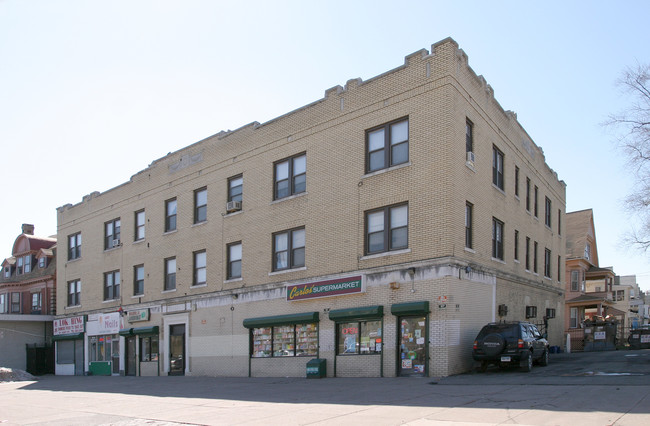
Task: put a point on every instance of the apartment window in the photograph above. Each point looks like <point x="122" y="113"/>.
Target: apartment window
<point x="42" y="262"/>
<point x="536" y="201"/>
<point x="516" y="245"/>
<point x="535" y="245"/>
<point x="468" y="224"/>
<point x="7" y="271"/>
<point x="3" y="303"/>
<point x="289" y="249"/>
<point x="170" y="215"/>
<point x="575" y="279"/>
<point x="469" y="137"/>
<point x="559" y="222"/>
<point x="528" y="253"/>
<point x="74" y="293"/>
<point x="36" y="301"/>
<point x="15" y="303"/>
<point x="200" y="205"/>
<point x="112" y="285"/>
<point x="547" y="263"/>
<point x="527" y="194"/>
<point x="27" y="260"/>
<point x="74" y="246"/>
<point x="19" y="266"/>
<point x="200" y="265"/>
<point x="497" y="239"/>
<point x="235" y="188"/>
<point x="387" y="229"/>
<point x="588" y="251"/>
<point x="149" y="348"/>
<point x="358" y="338"/>
<point x="290" y="176"/>
<point x="547" y="212"/>
<point x="387" y="145"/>
<point x="559" y="268"/>
<point x="550" y="313"/>
<point x="234" y="260"/>
<point x="517" y="181"/>
<point x="138" y="280"/>
<point x="139" y="225"/>
<point x="620" y="295"/>
<point x="112" y="234"/>
<point x="170" y="274"/>
<point x="573" y="322"/>
<point x="531" y="311"/>
<point x="497" y="168"/>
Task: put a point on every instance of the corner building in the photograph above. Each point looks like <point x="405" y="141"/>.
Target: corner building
<point x="377" y="229"/>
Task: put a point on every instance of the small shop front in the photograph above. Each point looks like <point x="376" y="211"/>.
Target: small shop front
<point x="68" y="337"/>
<point x="102" y="331"/>
<point x="412" y="339"/>
<point x="141" y="345"/>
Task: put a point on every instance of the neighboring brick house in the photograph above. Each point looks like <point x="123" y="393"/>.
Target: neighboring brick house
<point x="27" y="296"/>
<point x="377" y="228"/>
<point x="588" y="286"/>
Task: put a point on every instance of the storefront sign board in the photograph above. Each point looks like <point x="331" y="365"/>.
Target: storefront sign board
<point x="72" y="325"/>
<point x="338" y="287"/>
<point x="138" y="315"/>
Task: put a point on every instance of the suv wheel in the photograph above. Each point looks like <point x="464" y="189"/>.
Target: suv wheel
<point x="527" y="365"/>
<point x="544" y="360"/>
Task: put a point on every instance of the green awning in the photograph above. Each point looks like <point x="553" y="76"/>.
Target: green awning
<point x="351" y="314"/>
<point x="304" y="318"/>
<point x="73" y="336"/>
<point x="139" y="330"/>
<point x="412" y="308"/>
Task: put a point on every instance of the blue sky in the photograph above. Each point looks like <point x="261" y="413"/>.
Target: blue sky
<point x="92" y="92"/>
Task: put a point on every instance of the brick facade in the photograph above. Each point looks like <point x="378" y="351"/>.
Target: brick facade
<point x="436" y="93"/>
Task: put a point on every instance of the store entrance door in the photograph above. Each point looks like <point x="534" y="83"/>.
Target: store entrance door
<point x="130" y="356"/>
<point x="412" y="351"/>
<point x="177" y="350"/>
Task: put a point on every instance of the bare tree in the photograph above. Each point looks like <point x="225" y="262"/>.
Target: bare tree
<point x="633" y="128"/>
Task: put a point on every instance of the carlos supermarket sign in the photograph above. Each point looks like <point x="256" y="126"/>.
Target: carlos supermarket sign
<point x="328" y="288"/>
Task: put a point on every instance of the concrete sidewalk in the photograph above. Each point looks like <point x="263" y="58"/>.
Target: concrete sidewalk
<point x="545" y="396"/>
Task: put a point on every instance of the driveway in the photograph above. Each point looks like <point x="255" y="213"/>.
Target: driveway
<point x="603" y="388"/>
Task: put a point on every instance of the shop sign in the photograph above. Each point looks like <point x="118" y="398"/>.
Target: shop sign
<point x="72" y="325"/>
<point x="138" y="315"/>
<point x="109" y="323"/>
<point x="329" y="288"/>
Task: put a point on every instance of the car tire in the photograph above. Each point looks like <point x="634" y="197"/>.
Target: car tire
<point x="493" y="344"/>
<point x="527" y="364"/>
<point x="543" y="361"/>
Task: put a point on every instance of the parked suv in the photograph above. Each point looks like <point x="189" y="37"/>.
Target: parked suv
<point x="510" y="343"/>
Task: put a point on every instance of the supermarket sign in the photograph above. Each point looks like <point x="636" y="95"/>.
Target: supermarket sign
<point x="328" y="288"/>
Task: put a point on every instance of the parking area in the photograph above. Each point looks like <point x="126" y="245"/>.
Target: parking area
<point x="599" y="388"/>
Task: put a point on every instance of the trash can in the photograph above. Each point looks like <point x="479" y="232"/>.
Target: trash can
<point x="316" y="368"/>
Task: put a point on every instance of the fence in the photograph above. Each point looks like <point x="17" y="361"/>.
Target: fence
<point x="40" y="359"/>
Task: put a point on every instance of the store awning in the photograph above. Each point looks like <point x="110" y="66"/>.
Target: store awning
<point x="303" y="318"/>
<point x="73" y="336"/>
<point x="139" y="330"/>
<point x="352" y="314"/>
<point x="412" y="308"/>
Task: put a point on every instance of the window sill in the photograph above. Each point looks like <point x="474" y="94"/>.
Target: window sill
<point x="173" y="231"/>
<point x="384" y="254"/>
<point x="110" y="301"/>
<point x="286" y="271"/>
<point x="199" y="285"/>
<point x="72" y="307"/>
<point x="499" y="260"/>
<point x="289" y="197"/>
<point x="140" y="241"/>
<point x="235" y="213"/>
<point x="106" y="250"/>
<point x="386" y="170"/>
<point x="233" y="280"/>
<point x="470" y="166"/>
<point x="470" y="250"/>
<point x="498" y="189"/>
<point x="77" y="259"/>
<point x="137" y="296"/>
<point x="194" y="225"/>
<point x="173" y="290"/>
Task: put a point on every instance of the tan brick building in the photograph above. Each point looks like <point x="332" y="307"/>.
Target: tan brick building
<point x="377" y="228"/>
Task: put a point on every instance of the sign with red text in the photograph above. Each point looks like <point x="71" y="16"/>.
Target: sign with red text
<point x="72" y="325"/>
<point x="328" y="288"/>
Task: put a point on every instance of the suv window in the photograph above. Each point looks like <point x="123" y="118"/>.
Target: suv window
<point x="506" y="330"/>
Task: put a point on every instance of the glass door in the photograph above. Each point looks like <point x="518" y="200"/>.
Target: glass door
<point x="177" y="350"/>
<point x="412" y="351"/>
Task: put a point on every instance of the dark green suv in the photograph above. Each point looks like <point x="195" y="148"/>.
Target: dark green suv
<point x="510" y="343"/>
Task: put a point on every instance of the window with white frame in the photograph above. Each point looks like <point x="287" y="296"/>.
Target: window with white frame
<point x="497" y="168"/>
<point x="497" y="239"/>
<point x="290" y="176"/>
<point x="3" y="303"/>
<point x="15" y="303"/>
<point x="170" y="215"/>
<point x="27" y="260"/>
<point x="234" y="260"/>
<point x="575" y="279"/>
<point x="74" y="246"/>
<point x="74" y="293"/>
<point x="289" y="249"/>
<point x="139" y="225"/>
<point x="387" y="229"/>
<point x="112" y="285"/>
<point x="170" y="274"/>
<point x="138" y="280"/>
<point x="235" y="188"/>
<point x="573" y="320"/>
<point x="112" y="233"/>
<point x="200" y="205"/>
<point x="36" y="301"/>
<point x="387" y="145"/>
<point x="200" y="267"/>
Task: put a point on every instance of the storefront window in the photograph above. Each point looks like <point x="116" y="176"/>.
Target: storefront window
<point x="149" y="348"/>
<point x="65" y="352"/>
<point x="285" y="341"/>
<point x="99" y="347"/>
<point x="359" y="338"/>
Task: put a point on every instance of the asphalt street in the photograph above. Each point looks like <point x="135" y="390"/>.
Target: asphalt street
<point x="597" y="388"/>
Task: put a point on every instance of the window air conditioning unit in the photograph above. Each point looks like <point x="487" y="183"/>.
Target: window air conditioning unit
<point x="233" y="206"/>
<point x="470" y="157"/>
<point x="116" y="243"/>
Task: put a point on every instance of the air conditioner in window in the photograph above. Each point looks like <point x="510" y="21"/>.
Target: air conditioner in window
<point x="470" y="157"/>
<point x="233" y="206"/>
<point x="116" y="243"/>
